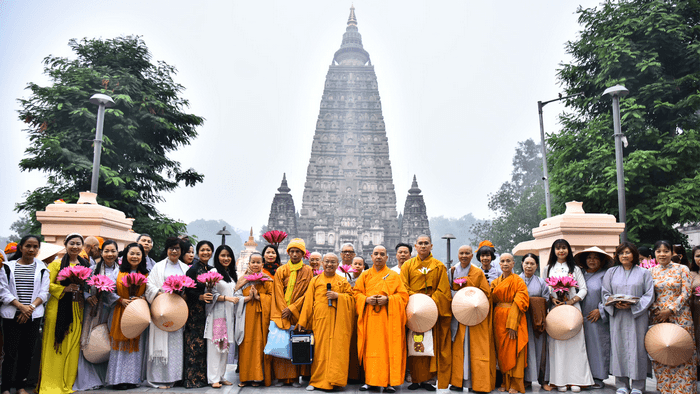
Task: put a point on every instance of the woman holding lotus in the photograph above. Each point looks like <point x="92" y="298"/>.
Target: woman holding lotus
<point x="63" y="322"/>
<point x="127" y="355"/>
<point x="537" y="337"/>
<point x="221" y="317"/>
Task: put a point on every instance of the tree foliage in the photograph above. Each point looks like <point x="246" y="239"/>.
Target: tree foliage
<point x="517" y="204"/>
<point x="147" y="123"/>
<point x="651" y="47"/>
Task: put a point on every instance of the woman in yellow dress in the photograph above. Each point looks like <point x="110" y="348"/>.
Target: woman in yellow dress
<point x="63" y="324"/>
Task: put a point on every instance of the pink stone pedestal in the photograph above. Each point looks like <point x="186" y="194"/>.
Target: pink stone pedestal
<point x="582" y="230"/>
<point x="86" y="218"/>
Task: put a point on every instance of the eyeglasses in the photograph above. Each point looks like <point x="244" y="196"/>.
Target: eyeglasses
<point x="348" y="252"/>
<point x="176" y="249"/>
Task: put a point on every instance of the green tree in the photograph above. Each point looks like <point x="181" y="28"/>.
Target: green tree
<point x="517" y="204"/>
<point x="652" y="47"/>
<point x="147" y="123"/>
<point x="21" y="227"/>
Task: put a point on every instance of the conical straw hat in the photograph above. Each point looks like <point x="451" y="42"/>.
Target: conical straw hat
<point x="97" y="350"/>
<point x="421" y="313"/>
<point x="564" y="322"/>
<point x="169" y="312"/>
<point x="136" y="318"/>
<point x="606" y="259"/>
<point x="669" y="344"/>
<point x="470" y="306"/>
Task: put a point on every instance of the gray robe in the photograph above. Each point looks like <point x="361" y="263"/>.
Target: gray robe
<point x="536" y="287"/>
<point x="598" y="333"/>
<point x="628" y="356"/>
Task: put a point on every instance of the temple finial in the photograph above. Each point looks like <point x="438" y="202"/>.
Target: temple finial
<point x="352" y="20"/>
<point x="283" y="187"/>
<point x="414" y="187"/>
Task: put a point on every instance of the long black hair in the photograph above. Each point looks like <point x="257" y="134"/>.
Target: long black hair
<point x="229" y="272"/>
<point x="126" y="267"/>
<point x="18" y="254"/>
<point x="65" y="260"/>
<point x="202" y="243"/>
<point x="184" y="249"/>
<point x="98" y="266"/>
<point x="693" y="266"/>
<point x="570" y="262"/>
<point x="64" y="313"/>
<point x="271" y="267"/>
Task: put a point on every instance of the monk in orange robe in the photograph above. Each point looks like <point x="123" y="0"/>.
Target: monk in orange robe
<point x="511" y="300"/>
<point x="380" y="300"/>
<point x="291" y="281"/>
<point x="331" y="325"/>
<point x="481" y="352"/>
<point x="435" y="284"/>
<point x="258" y="300"/>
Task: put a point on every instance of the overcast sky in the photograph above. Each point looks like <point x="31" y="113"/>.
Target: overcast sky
<point x="459" y="83"/>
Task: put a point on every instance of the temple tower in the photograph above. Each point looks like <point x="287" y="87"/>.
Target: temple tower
<point x="349" y="192"/>
<point x="283" y="215"/>
<point x="415" y="217"/>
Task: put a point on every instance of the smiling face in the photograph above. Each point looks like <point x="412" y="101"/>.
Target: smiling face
<point x="507" y="263"/>
<point x="593" y="262"/>
<point x="663" y="255"/>
<point x="347" y="254"/>
<point x="205" y="253"/>
<point x="529" y="266"/>
<point x="188" y="258"/>
<point x="696" y="257"/>
<point x="358" y="265"/>
<point x="562" y="252"/>
<point x="315" y="261"/>
<point x="485" y="259"/>
<point x="626" y="257"/>
<point x="255" y="264"/>
<point x="73" y="247"/>
<point x="174" y="252"/>
<point x="133" y="257"/>
<point x="225" y="258"/>
<point x="330" y="264"/>
<point x="270" y="255"/>
<point x="465" y="255"/>
<point x="109" y="254"/>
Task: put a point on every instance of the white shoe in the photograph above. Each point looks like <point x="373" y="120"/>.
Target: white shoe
<point x="279" y="384"/>
<point x="561" y="389"/>
<point x="296" y="384"/>
<point x="576" y="389"/>
<point x="310" y="388"/>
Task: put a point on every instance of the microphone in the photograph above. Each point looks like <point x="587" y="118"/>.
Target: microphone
<point x="328" y="288"/>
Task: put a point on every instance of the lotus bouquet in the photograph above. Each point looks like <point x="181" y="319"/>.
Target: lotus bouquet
<point x="210" y="279"/>
<point x="133" y="281"/>
<point x="460" y="281"/>
<point x="562" y="284"/>
<point x="102" y="283"/>
<point x="318" y="272"/>
<point x="648" y="263"/>
<point x="259" y="277"/>
<point x="176" y="284"/>
<point x="347" y="269"/>
<point x="75" y="274"/>
<point x="275" y="237"/>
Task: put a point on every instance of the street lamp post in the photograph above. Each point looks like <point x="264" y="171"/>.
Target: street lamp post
<point x="545" y="169"/>
<point x="448" y="237"/>
<point x="223" y="232"/>
<point x="616" y="92"/>
<point x="103" y="101"/>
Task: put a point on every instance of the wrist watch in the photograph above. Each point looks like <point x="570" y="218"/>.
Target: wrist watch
<point x="32" y="306"/>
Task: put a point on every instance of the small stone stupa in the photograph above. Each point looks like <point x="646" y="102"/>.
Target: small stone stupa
<point x="244" y="257"/>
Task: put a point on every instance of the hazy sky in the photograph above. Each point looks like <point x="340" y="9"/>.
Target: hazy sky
<point x="459" y="83"/>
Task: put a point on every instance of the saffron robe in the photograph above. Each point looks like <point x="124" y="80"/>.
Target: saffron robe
<point x="511" y="300"/>
<point x="284" y="369"/>
<point x="381" y="330"/>
<point x="482" y="353"/>
<point x="332" y="327"/>
<point x="257" y="324"/>
<point x="436" y="285"/>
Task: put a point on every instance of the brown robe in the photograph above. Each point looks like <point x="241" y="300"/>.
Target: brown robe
<point x="257" y="324"/>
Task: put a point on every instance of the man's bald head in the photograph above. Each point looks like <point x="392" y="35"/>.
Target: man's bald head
<point x="465" y="255"/>
<point x="315" y="260"/>
<point x="91" y="246"/>
<point x="507" y="263"/>
<point x="379" y="257"/>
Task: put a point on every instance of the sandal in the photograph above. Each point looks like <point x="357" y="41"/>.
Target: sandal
<point x="216" y="385"/>
<point x="242" y="384"/>
<point x="165" y="387"/>
<point x="226" y="383"/>
<point x="255" y="384"/>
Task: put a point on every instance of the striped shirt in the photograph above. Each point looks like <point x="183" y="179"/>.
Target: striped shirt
<point x="24" y="282"/>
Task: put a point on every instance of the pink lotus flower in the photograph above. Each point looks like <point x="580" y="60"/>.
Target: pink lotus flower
<point x="275" y="236"/>
<point x="346" y="268"/>
<point x="101" y="283"/>
<point x="460" y="281"/>
<point x="74" y="273"/>
<point x="209" y="278"/>
<point x="318" y="272"/>
<point x="307" y="255"/>
<point x="177" y="284"/>
<point x="697" y="291"/>
<point x="562" y="284"/>
<point x="134" y="279"/>
<point x="648" y="263"/>
<point x="259" y="277"/>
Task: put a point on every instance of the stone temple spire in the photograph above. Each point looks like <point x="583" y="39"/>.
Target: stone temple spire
<point x="283" y="215"/>
<point x="414" y="187"/>
<point x="351" y="52"/>
<point x="415" y="217"/>
<point x="285" y="189"/>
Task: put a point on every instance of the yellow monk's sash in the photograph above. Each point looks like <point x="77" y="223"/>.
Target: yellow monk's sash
<point x="293" y="268"/>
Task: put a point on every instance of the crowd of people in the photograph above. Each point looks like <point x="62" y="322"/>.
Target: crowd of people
<point x="356" y="312"/>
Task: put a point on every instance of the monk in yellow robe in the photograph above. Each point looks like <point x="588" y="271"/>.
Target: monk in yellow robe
<point x="291" y="281"/>
<point x="257" y="297"/>
<point x="511" y="300"/>
<point x="380" y="301"/>
<point x="329" y="313"/>
<point x="480" y="352"/>
<point x="428" y="275"/>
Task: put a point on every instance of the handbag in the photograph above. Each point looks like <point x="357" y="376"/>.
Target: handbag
<point x="302" y="348"/>
<point x="420" y="343"/>
<point x="278" y="342"/>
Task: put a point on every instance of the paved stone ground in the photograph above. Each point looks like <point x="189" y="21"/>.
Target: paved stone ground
<point x="350" y="389"/>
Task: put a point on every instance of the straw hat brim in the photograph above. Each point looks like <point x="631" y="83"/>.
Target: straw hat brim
<point x="470" y="306"/>
<point x="607" y="259"/>
<point x="135" y="319"/>
<point x="421" y="313"/>
<point x="169" y="312"/>
<point x="97" y="350"/>
<point x="563" y="322"/>
<point x="669" y="344"/>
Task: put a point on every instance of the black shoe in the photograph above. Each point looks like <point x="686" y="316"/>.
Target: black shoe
<point x="364" y="387"/>
<point x="414" y="386"/>
<point x="427" y="386"/>
<point x="389" y="389"/>
<point x="456" y="388"/>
